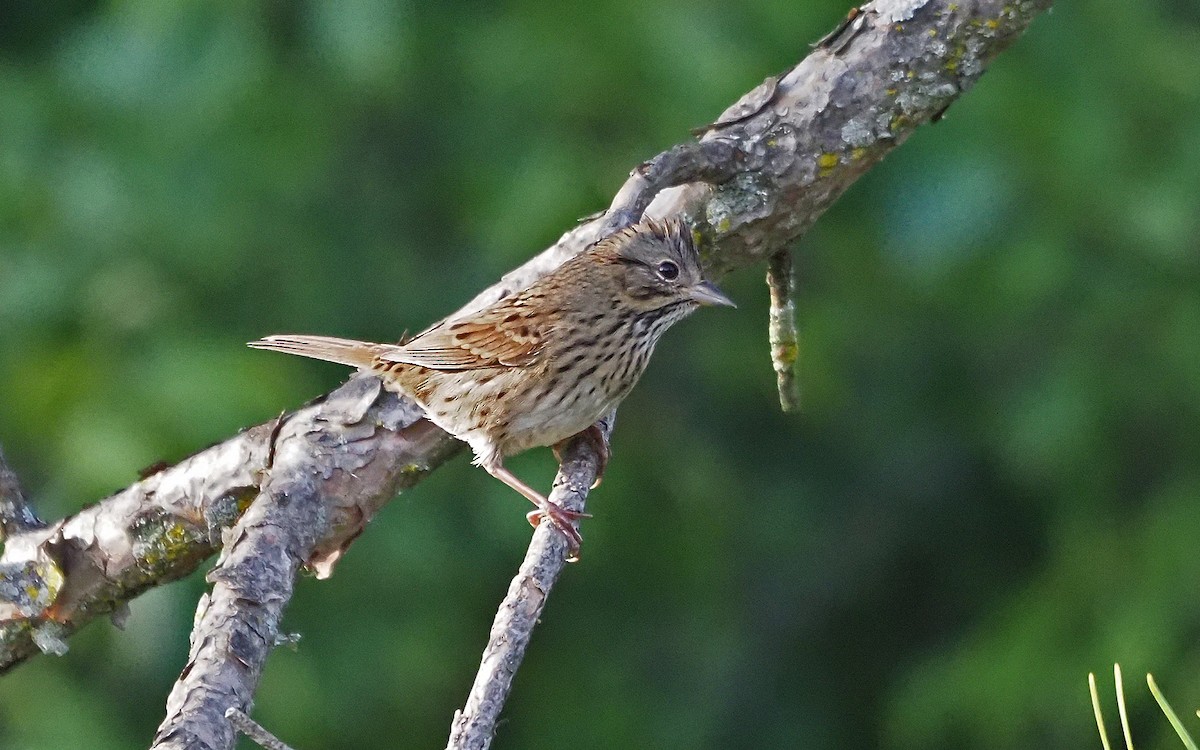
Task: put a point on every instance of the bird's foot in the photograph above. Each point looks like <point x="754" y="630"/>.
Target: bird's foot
<point x="563" y="520"/>
<point x="560" y="517"/>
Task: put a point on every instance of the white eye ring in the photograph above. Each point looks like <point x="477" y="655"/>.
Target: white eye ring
<point x="668" y="271"/>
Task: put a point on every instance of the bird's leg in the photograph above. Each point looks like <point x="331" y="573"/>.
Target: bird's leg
<point x="596" y="438"/>
<point x="561" y="518"/>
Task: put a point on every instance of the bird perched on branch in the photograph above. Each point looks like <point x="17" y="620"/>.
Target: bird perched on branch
<point x="544" y="364"/>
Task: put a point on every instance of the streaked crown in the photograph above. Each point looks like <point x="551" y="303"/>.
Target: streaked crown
<point x="659" y="266"/>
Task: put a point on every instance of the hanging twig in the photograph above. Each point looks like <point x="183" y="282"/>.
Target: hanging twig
<point x="782" y="334"/>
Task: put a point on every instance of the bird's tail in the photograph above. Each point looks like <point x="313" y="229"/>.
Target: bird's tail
<point x="343" y="351"/>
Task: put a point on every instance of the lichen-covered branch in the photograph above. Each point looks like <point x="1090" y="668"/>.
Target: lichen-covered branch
<point x="785" y="152"/>
<point x="155" y="531"/>
<point x="819" y="126"/>
<point x="161" y="528"/>
<point x="792" y="145"/>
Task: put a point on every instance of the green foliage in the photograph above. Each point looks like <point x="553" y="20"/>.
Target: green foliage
<point x="991" y="490"/>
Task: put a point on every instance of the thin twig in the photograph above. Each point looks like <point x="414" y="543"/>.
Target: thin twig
<point x="475" y="725"/>
<point x="254" y="730"/>
<point x="15" y="514"/>
<point x="782" y="334"/>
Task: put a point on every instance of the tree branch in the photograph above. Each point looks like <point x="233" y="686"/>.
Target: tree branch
<point x="360" y="444"/>
<point x="474" y="726"/>
<point x="163" y="527"/>
<point x="785" y="152"/>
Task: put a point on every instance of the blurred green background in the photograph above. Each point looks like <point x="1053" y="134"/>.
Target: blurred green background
<point x="994" y="486"/>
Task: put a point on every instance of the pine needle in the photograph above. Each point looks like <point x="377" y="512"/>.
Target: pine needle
<point x="1121" y="707"/>
<point x="1171" y="717"/>
<point x="1096" y="710"/>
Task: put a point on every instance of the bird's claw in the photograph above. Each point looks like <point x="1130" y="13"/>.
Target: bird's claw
<point x="564" y="521"/>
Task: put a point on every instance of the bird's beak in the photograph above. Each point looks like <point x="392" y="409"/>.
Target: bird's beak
<point x="705" y="293"/>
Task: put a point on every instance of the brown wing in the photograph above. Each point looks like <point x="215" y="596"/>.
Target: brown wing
<point x="501" y="336"/>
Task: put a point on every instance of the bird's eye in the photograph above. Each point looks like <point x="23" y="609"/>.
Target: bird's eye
<point x="668" y="270"/>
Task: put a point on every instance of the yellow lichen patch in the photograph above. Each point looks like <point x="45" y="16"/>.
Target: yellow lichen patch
<point x="54" y="578"/>
<point x="245" y="498"/>
<point x="161" y="541"/>
<point x="858" y="153"/>
<point x="827" y="162"/>
<point x="33" y="586"/>
<point x="173" y="543"/>
<point x="956" y="56"/>
<point x="410" y="470"/>
<point x="787" y="353"/>
<point x="890" y="92"/>
<point x="992" y="23"/>
<point x="724" y="224"/>
<point x="174" y="535"/>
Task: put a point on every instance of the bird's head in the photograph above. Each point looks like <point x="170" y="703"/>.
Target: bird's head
<point x="659" y="267"/>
